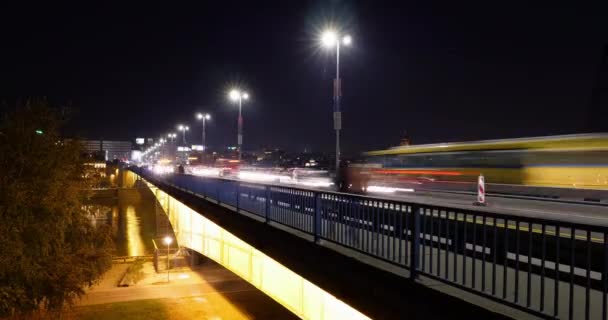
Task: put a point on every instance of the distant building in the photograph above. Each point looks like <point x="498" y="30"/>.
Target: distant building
<point x="268" y="157"/>
<point x="109" y="150"/>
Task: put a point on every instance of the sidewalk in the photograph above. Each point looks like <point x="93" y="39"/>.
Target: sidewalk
<point x="208" y="292"/>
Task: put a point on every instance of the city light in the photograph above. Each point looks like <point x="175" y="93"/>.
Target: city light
<point x="329" y="38"/>
<point x="200" y="116"/>
<point x="208" y="172"/>
<point x="234" y="95"/>
<point x="382" y="189"/>
<point x="263" y="177"/>
<point x="162" y="169"/>
<point x="347" y="40"/>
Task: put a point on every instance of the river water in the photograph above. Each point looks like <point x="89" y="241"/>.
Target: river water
<point x="132" y="217"/>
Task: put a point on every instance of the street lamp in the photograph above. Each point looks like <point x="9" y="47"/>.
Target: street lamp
<point x="168" y="241"/>
<point x="162" y="146"/>
<point x="171" y="136"/>
<point x="204" y="118"/>
<point x="329" y="39"/>
<point x="238" y="95"/>
<point x="183" y="129"/>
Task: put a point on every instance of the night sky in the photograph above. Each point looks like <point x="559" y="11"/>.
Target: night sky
<point x="440" y="70"/>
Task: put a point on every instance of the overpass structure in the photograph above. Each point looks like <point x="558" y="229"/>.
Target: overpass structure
<point x="543" y="268"/>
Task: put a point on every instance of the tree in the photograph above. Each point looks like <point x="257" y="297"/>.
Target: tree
<point x="49" y="250"/>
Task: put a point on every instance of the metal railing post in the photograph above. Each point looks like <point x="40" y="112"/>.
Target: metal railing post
<point x="267" y="207"/>
<point x="317" y="217"/>
<point x="415" y="250"/>
<point x="217" y="191"/>
<point x="238" y="193"/>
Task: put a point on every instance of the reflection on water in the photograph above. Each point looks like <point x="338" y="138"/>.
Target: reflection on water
<point x="135" y="244"/>
<point x="136" y="225"/>
<point x="132" y="218"/>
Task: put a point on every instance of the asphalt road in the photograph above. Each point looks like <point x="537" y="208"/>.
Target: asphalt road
<point x="547" y="209"/>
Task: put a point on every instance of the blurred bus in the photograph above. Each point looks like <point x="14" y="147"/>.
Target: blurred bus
<point x="553" y="165"/>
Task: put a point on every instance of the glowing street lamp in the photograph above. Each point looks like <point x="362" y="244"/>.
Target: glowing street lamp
<point x="329" y="39"/>
<point x="172" y="136"/>
<point x="204" y="118"/>
<point x="237" y="95"/>
<point x="183" y="129"/>
<point x="168" y="241"/>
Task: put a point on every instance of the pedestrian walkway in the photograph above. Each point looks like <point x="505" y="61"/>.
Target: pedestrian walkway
<point x="207" y="292"/>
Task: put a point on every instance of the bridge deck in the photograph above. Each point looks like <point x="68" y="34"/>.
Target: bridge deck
<point x="359" y="284"/>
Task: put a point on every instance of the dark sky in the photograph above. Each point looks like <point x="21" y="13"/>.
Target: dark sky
<point x="443" y="71"/>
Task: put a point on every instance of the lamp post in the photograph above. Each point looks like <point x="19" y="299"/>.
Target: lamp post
<point x="183" y="129"/>
<point x="162" y="146"/>
<point x="329" y="40"/>
<point x="168" y="241"/>
<point x="171" y="136"/>
<point x="237" y="95"/>
<point x="171" y="146"/>
<point x="204" y="118"/>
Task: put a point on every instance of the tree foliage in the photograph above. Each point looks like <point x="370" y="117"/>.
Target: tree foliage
<point x="49" y="250"/>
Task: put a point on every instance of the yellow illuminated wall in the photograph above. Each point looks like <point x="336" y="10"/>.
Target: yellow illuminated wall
<point x="297" y="294"/>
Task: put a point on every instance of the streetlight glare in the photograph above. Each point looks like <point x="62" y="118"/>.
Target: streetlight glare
<point x="168" y="240"/>
<point x="199" y="116"/>
<point x="180" y="127"/>
<point x="207" y="116"/>
<point x="234" y="94"/>
<point x="245" y="95"/>
<point x="329" y="38"/>
<point x="347" y="40"/>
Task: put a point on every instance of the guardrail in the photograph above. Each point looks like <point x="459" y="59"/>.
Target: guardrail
<point x="548" y="268"/>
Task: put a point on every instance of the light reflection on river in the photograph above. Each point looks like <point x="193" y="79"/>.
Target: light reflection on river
<point x="135" y="244"/>
<point x="136" y="225"/>
<point x="130" y="211"/>
<point x="132" y="219"/>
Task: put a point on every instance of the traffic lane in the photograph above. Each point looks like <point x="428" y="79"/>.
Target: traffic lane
<point x="567" y="212"/>
<point x="543" y="209"/>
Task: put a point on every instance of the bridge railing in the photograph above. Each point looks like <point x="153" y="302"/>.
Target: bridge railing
<point x="545" y="267"/>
